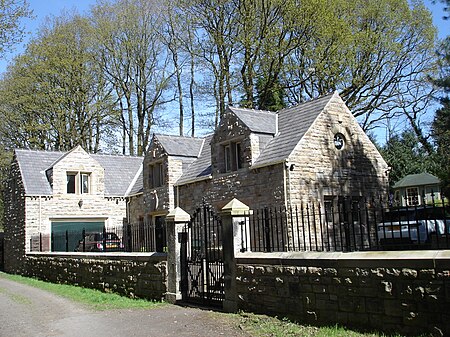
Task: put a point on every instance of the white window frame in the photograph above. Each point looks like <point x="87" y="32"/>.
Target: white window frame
<point x="82" y="182"/>
<point x="412" y="199"/>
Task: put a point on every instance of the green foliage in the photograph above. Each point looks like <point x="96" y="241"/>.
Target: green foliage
<point x="54" y="95"/>
<point x="262" y="325"/>
<point x="12" y="31"/>
<point x="5" y="160"/>
<point x="441" y="133"/>
<point x="405" y="155"/>
<point x="269" y="98"/>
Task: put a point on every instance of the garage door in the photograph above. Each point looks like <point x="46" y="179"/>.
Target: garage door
<point x="62" y="242"/>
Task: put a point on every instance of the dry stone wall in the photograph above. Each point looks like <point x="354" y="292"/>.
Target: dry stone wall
<point x="14" y="215"/>
<point x="142" y="275"/>
<point x="402" y="295"/>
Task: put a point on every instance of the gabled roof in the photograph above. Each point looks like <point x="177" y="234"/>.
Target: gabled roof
<point x="180" y="146"/>
<point x="32" y="165"/>
<point x="201" y="168"/>
<point x="288" y="127"/>
<point x="292" y="126"/>
<point x="420" y="179"/>
<point x="258" y="121"/>
<point x="120" y="171"/>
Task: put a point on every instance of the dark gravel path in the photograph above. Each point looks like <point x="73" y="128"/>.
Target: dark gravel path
<point x="32" y="312"/>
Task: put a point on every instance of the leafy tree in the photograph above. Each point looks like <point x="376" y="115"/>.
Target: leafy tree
<point x="441" y="123"/>
<point x="54" y="93"/>
<point x="405" y="155"/>
<point x="11" y="30"/>
<point x="134" y="59"/>
<point x="441" y="131"/>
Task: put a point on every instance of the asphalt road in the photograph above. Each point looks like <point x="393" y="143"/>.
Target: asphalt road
<point x="32" y="312"/>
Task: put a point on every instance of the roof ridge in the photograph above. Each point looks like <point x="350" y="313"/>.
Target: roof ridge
<point x="252" y="110"/>
<point x="177" y="136"/>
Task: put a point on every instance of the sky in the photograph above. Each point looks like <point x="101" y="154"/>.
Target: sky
<point x="44" y="8"/>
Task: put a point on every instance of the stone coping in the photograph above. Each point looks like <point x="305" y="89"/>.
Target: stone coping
<point x="103" y="256"/>
<point x="424" y="259"/>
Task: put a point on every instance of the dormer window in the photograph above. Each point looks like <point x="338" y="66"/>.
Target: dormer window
<point x="78" y="183"/>
<point x="232" y="156"/>
<point x="155" y="175"/>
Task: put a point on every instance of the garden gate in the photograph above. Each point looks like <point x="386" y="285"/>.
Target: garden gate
<point x="202" y="265"/>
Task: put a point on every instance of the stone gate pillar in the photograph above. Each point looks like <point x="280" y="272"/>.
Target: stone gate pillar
<point x="234" y="216"/>
<point x="176" y="221"/>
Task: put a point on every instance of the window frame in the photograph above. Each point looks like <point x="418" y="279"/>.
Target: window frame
<point x="78" y="187"/>
<point x="232" y="156"/>
<point x="410" y="197"/>
<point x="156" y="175"/>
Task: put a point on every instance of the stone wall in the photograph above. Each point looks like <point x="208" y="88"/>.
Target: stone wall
<point x="257" y="188"/>
<point x="1" y="251"/>
<point x="402" y="292"/>
<point x="321" y="170"/>
<point x="42" y="211"/>
<point x="132" y="275"/>
<point x="14" y="221"/>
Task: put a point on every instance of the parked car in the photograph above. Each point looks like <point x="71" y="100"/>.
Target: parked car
<point x="410" y="231"/>
<point x="95" y="242"/>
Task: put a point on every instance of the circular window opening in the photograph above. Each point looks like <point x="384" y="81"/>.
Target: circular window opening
<point x="339" y="141"/>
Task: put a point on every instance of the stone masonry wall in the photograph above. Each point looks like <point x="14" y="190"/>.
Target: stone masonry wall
<point x="142" y="275"/>
<point x="14" y="221"/>
<point x="257" y="188"/>
<point x="323" y="170"/>
<point x="402" y="292"/>
<point x="41" y="211"/>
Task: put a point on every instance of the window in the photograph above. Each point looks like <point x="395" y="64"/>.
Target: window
<point x="232" y="156"/>
<point x="227" y="158"/>
<point x="71" y="178"/>
<point x="78" y="183"/>
<point x="156" y="175"/>
<point x="412" y="196"/>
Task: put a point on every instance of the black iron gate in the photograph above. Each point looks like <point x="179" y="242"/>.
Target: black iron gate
<point x="202" y="259"/>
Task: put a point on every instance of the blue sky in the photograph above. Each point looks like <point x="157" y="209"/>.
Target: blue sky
<point x="44" y="8"/>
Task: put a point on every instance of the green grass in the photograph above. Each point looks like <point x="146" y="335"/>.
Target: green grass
<point x="94" y="299"/>
<point x="266" y="326"/>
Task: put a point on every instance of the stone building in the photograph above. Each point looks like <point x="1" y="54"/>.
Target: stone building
<point x="313" y="152"/>
<point x="50" y="192"/>
<point x="417" y="190"/>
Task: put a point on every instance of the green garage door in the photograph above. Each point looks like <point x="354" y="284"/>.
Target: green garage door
<point x="62" y="243"/>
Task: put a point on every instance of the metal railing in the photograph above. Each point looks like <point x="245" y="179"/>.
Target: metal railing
<point x="142" y="237"/>
<point x="348" y="225"/>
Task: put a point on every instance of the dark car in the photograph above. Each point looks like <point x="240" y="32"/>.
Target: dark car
<point x="96" y="242"/>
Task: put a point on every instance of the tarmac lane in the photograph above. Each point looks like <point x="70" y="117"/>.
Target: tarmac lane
<point x="31" y="312"/>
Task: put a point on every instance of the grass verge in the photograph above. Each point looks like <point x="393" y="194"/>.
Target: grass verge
<point x="94" y="299"/>
<point x="266" y="326"/>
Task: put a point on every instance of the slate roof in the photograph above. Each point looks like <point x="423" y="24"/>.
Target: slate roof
<point x="292" y="126"/>
<point x="288" y="127"/>
<point x="181" y="146"/>
<point x="257" y="120"/>
<point x="120" y="171"/>
<point x="420" y="179"/>
<point x="201" y="168"/>
<point x="33" y="165"/>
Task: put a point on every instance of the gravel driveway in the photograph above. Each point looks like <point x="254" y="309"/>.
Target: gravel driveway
<point x="32" y="312"/>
